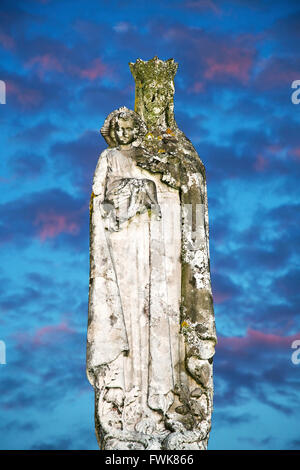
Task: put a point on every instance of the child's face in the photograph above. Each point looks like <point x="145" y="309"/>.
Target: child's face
<point x="125" y="131"/>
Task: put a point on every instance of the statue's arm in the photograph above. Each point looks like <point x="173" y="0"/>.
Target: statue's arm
<point x="99" y="181"/>
<point x="166" y="164"/>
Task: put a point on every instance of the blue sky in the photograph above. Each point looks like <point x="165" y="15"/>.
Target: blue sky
<point x="65" y="66"/>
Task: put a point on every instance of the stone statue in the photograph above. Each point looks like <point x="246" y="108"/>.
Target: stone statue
<point x="151" y="330"/>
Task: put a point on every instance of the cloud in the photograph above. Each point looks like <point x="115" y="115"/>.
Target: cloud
<point x="60" y="444"/>
<point x="209" y="56"/>
<point x="37" y="133"/>
<point x="6" y="41"/>
<point x="101" y="99"/>
<point x="26" y="96"/>
<point x="233" y="63"/>
<point x="224" y="418"/>
<point x="10" y="302"/>
<point x="50" y="225"/>
<point x="78" y="157"/>
<point x="257" y="339"/>
<point x="122" y="27"/>
<point x="257" y="366"/>
<point x="288" y="284"/>
<point x="44" y="63"/>
<point x="46" y="215"/>
<point x="30" y="166"/>
<point x="96" y="70"/>
<point x="223" y="288"/>
<point x="277" y="72"/>
<point x="294" y="444"/>
<point x="31" y="95"/>
<point x="45" y="335"/>
<point x="285" y="32"/>
<point x="203" y="6"/>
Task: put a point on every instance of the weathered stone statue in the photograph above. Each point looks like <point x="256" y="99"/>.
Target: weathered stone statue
<point x="151" y="330"/>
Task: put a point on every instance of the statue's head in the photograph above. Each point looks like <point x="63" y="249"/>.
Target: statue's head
<point x="154" y="89"/>
<point x="126" y="128"/>
<point x="123" y="127"/>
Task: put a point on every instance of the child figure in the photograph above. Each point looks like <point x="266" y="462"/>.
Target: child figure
<point x="124" y="197"/>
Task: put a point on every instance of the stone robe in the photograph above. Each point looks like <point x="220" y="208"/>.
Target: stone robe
<point x="135" y="287"/>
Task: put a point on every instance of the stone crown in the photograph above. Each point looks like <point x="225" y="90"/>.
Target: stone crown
<point x="155" y="68"/>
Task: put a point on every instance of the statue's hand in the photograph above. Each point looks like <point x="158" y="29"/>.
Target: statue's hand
<point x="152" y="163"/>
<point x="140" y="155"/>
<point x="201" y="370"/>
<point x="168" y="164"/>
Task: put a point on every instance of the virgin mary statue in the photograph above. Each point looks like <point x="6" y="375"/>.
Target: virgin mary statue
<point x="151" y="329"/>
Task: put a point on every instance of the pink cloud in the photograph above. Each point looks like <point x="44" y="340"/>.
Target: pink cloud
<point x="48" y="333"/>
<point x="261" y="163"/>
<point x="203" y="5"/>
<point x="45" y="335"/>
<point x="235" y="62"/>
<point x="6" y="41"/>
<point x="220" y="297"/>
<point x="197" y="87"/>
<point x="96" y="70"/>
<point x="274" y="149"/>
<point x="44" y="63"/>
<point x="50" y="225"/>
<point x="277" y="72"/>
<point x="295" y="153"/>
<point x="255" y="338"/>
<point x="27" y="97"/>
<point x="214" y="56"/>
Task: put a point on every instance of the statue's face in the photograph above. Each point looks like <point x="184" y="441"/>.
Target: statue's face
<point x="155" y="98"/>
<point x="125" y="131"/>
